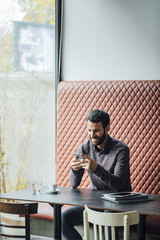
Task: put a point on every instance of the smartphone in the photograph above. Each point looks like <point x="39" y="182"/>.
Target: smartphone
<point x="78" y="155"/>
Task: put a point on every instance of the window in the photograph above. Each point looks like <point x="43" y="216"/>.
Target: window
<point x="27" y="86"/>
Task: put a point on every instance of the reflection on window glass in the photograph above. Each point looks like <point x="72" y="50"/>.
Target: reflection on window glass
<point x="34" y="46"/>
<point x="27" y="30"/>
<point x="27" y="87"/>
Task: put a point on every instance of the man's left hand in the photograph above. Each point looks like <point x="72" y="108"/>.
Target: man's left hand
<point x="88" y="163"/>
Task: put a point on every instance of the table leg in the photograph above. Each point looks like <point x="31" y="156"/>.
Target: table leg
<point x="141" y="228"/>
<point x="57" y="220"/>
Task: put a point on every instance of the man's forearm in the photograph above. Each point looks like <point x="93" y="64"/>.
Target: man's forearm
<point x="75" y="177"/>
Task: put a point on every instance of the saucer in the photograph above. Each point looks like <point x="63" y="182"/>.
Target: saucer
<point x="51" y="191"/>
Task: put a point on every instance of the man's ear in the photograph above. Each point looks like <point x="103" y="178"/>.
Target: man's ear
<point x="107" y="128"/>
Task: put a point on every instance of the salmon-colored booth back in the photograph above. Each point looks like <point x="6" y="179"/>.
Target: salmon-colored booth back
<point x="133" y="109"/>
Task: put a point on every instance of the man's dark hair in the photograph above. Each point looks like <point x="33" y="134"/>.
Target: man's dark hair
<point x="99" y="116"/>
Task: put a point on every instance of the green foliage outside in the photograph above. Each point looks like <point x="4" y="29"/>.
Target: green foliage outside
<point x="38" y="11"/>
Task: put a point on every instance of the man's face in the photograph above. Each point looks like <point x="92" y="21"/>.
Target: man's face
<point x="96" y="133"/>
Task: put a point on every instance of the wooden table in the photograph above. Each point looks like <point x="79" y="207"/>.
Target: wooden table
<point x="80" y="197"/>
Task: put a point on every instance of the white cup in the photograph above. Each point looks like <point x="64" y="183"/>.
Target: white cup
<point x="53" y="187"/>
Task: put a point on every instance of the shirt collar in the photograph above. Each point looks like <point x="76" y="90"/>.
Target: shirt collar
<point x="106" y="148"/>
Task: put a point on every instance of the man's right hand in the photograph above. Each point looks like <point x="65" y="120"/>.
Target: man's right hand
<point x="76" y="164"/>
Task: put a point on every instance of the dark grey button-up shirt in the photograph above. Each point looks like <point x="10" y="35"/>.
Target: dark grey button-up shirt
<point x="113" y="171"/>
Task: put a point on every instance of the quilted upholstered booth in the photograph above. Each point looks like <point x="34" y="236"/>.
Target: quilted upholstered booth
<point x="133" y="109"/>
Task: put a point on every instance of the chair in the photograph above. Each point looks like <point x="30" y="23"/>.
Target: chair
<point x="102" y="221"/>
<point x="24" y="210"/>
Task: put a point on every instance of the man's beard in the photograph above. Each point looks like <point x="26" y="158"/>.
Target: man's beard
<point x="100" y="141"/>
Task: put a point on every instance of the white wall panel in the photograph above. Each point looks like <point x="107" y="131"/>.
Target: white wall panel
<point x="111" y="40"/>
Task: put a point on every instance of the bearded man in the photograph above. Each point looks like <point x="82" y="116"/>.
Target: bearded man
<point x="107" y="162"/>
